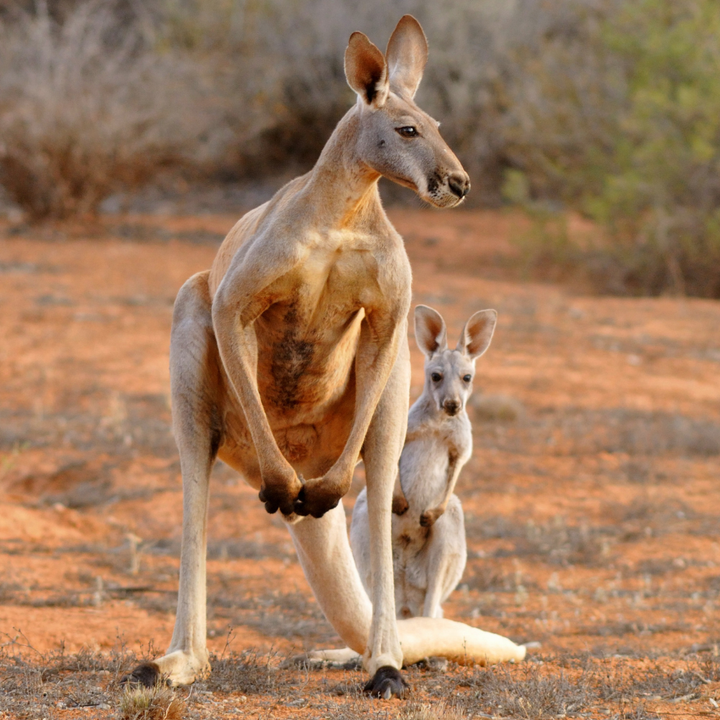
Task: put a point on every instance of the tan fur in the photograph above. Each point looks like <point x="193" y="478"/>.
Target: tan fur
<point x="289" y="357"/>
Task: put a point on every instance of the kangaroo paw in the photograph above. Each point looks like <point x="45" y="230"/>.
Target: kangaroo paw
<point x="399" y="505"/>
<point x="386" y="682"/>
<point x="429" y="517"/>
<point x="280" y="495"/>
<point x="316" y="499"/>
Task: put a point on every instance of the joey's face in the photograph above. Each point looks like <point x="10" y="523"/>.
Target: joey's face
<point x="448" y="380"/>
<point x="403" y="143"/>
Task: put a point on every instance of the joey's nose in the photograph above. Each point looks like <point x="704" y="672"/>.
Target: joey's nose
<point x="451" y="407"/>
<point x="459" y="184"/>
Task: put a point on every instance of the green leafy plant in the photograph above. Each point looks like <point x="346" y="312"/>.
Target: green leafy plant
<point x="623" y="124"/>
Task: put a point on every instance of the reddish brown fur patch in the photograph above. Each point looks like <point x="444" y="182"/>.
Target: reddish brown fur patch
<point x="291" y="358"/>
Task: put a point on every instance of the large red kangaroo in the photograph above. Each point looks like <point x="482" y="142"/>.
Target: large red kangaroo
<point x="289" y="361"/>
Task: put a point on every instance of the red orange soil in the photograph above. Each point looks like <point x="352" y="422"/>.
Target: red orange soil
<point x="593" y="517"/>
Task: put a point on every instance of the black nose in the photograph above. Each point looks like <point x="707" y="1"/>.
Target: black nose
<point x="459" y="184"/>
<point x="451" y="407"/>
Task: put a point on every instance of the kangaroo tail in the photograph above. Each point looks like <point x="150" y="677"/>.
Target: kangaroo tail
<point x="423" y="637"/>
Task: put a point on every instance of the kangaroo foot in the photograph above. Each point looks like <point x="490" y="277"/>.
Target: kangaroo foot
<point x="174" y="669"/>
<point x="385" y="683"/>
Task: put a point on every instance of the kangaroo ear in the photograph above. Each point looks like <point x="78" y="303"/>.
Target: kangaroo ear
<point x="477" y="333"/>
<point x="430" y="333"/>
<point x="407" y="53"/>
<point x="366" y="70"/>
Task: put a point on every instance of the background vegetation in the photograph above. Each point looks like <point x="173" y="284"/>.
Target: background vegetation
<point x="602" y="107"/>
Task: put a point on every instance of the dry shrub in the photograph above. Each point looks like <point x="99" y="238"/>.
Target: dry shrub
<point x="87" y="107"/>
<point x="158" y="703"/>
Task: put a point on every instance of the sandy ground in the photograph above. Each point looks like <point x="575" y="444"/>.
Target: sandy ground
<point x="592" y="500"/>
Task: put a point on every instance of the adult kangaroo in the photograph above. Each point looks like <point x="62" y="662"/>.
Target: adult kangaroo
<point x="289" y="361"/>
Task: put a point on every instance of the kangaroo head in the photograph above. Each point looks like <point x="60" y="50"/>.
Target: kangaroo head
<point x="449" y="373"/>
<point x="397" y="139"/>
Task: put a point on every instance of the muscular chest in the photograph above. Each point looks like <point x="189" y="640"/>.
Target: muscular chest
<point x="308" y="335"/>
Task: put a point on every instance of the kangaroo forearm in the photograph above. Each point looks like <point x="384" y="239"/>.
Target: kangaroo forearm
<point x="240" y="362"/>
<point x="454" y="468"/>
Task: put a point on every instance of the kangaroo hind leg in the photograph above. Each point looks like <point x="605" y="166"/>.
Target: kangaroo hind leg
<point x="195" y="383"/>
<point x="381" y="453"/>
<point x="446" y="557"/>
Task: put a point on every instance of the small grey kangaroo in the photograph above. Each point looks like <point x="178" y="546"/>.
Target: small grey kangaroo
<point x="428" y="530"/>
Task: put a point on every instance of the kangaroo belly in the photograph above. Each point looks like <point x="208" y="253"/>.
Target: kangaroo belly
<point x="306" y="381"/>
<point x="310" y="447"/>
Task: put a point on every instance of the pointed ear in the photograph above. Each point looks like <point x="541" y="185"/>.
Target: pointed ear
<point x="477" y="333"/>
<point x="407" y="53"/>
<point x="366" y="70"/>
<point x="430" y="333"/>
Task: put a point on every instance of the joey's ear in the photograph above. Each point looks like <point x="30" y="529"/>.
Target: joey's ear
<point x="366" y="70"/>
<point x="430" y="333"/>
<point x="477" y="333"/>
<point x="407" y="53"/>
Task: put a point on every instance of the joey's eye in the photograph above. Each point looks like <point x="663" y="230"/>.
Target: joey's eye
<point x="467" y="378"/>
<point x="436" y="377"/>
<point x="407" y="131"/>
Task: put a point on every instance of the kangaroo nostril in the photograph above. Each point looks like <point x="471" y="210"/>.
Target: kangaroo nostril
<point x="459" y="184"/>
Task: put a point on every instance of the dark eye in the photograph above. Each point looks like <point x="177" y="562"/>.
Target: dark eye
<point x="436" y="377"/>
<point x="467" y="378"/>
<point x="408" y="131"/>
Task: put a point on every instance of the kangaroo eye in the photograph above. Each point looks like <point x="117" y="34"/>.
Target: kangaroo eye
<point x="436" y="377"/>
<point x="467" y="378"/>
<point x="408" y="131"/>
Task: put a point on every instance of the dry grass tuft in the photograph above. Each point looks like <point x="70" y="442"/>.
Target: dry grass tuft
<point x="440" y="711"/>
<point x="523" y="692"/>
<point x="158" y="703"/>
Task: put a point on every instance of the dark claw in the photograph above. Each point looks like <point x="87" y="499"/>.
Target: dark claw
<point x="386" y="682"/>
<point x="299" y="504"/>
<point x="146" y="675"/>
<point x="271" y="507"/>
<point x="320" y="513"/>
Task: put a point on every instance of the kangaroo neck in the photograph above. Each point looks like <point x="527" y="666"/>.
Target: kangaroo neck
<point x="341" y="189"/>
<point x="424" y="410"/>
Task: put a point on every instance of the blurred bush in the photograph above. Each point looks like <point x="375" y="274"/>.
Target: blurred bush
<point x="620" y="119"/>
<point x="87" y="107"/>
